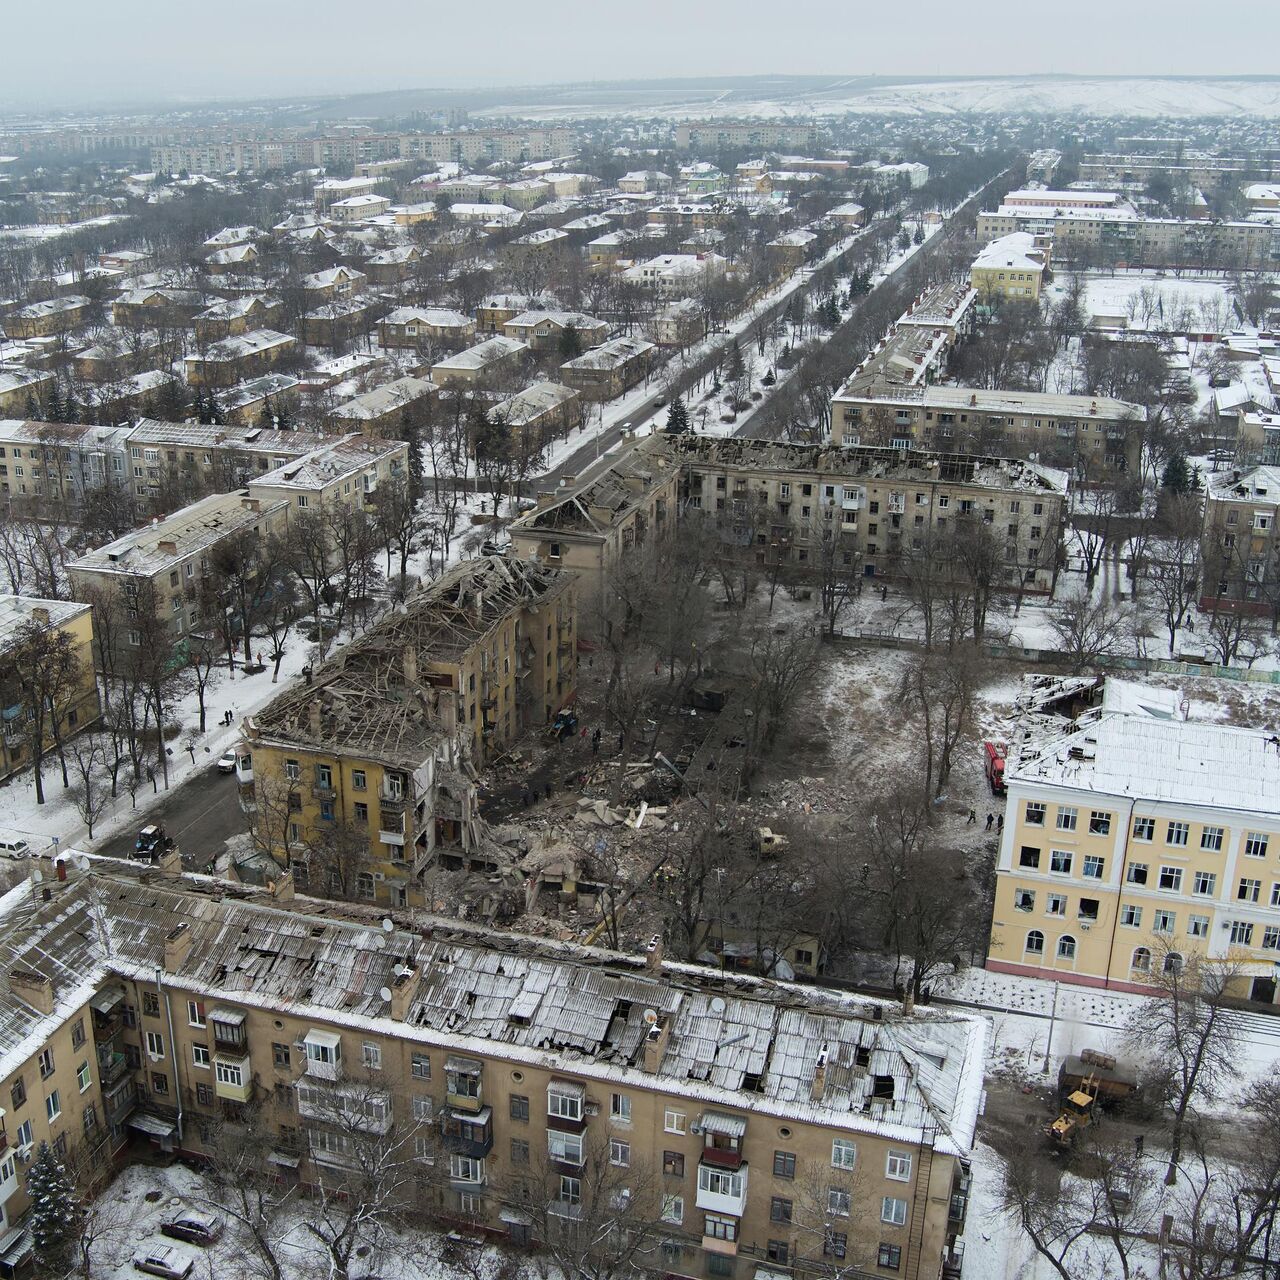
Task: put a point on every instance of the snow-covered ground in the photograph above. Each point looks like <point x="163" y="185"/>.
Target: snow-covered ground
<point x="1098" y="97"/>
<point x="53" y="232"/>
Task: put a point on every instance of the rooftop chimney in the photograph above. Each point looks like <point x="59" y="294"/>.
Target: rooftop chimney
<point x="653" y="954"/>
<point x="403" y="993"/>
<point x="40" y="614"/>
<point x="168" y="547"/>
<point x="34" y="988"/>
<point x="313" y="717"/>
<point x="819" y="1085"/>
<point x="177" y="946"/>
<point x="281" y="888"/>
<point x="655" y="1044"/>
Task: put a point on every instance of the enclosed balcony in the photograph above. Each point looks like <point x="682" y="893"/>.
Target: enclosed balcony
<point x="467" y="1133"/>
<point x="230" y="1034"/>
<point x="722" y="1190"/>
<point x="232" y="1077"/>
<point x="324" y="1054"/>
<point x="463" y="1083"/>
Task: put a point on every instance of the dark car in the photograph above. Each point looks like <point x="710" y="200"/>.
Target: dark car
<point x="195" y="1228"/>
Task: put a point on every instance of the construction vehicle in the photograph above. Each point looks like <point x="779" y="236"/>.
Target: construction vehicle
<point x="1079" y="1111"/>
<point x="1113" y="1082"/>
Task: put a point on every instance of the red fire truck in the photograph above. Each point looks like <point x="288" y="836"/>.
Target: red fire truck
<point x="993" y="762"/>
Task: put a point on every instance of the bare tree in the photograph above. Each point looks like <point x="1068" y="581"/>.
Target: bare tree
<point x="1086" y="628"/>
<point x="939" y="690"/>
<point x="1189" y="1029"/>
<point x="91" y="789"/>
<point x="48" y="676"/>
<point x="1173" y="563"/>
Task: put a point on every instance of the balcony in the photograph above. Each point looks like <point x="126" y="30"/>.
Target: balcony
<point x="324" y="1055"/>
<point x="345" y="1108"/>
<point x="120" y="1101"/>
<point x="722" y="1191"/>
<point x="467" y="1133"/>
<point x="394" y="801"/>
<point x="229" y="1034"/>
<point x="232" y="1077"/>
<point x="111" y="1067"/>
<point x="713" y="1244"/>
<point x="322" y="791"/>
<point x="463" y="1088"/>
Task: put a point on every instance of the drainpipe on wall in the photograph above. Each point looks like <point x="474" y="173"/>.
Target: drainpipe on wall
<point x="173" y="1047"/>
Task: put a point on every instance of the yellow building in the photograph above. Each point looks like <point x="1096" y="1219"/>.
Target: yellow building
<point x="759" y="1126"/>
<point x="1134" y="837"/>
<point x="44" y="319"/>
<point x="1014" y="267"/>
<point x="71" y="696"/>
<point x="375" y="751"/>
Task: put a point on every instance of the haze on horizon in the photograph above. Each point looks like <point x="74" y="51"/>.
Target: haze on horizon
<point x="81" y="52"/>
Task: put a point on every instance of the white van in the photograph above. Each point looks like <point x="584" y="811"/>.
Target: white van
<point x="14" y="848"/>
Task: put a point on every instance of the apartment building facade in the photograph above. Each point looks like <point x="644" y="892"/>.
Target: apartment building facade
<point x="75" y="703"/>
<point x="1240" y="546"/>
<point x="608" y="370"/>
<point x="758" y="1124"/>
<point x="1014" y="267"/>
<point x="165" y="562"/>
<point x="712" y="134"/>
<point x="1089" y="435"/>
<point x="1133" y="838"/>
<point x="53" y="466"/>
<point x="239" y="357"/>
<point x="380" y="741"/>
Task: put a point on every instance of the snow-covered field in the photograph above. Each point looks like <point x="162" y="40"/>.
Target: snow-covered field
<point x="1093" y="96"/>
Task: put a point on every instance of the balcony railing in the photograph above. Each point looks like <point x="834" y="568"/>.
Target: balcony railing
<point x="111" y="1066"/>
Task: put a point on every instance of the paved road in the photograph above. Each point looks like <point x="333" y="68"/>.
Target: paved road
<point x="201" y="815"/>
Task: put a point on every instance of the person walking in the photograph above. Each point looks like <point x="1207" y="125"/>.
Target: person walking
<point x="973" y="817"/>
<point x="991" y="818"/>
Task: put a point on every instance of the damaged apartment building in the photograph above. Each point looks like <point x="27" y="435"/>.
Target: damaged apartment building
<point x="748" y="1125"/>
<point x="366" y="768"/>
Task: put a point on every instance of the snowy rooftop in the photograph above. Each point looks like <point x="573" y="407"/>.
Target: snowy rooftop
<point x="196" y="435"/>
<point x="1137" y="746"/>
<point x="373" y="404"/>
<point x="439" y="317"/>
<point x="34" y="310"/>
<point x="1260" y="484"/>
<point x="154" y="547"/>
<point x="1017" y="250"/>
<point x="533" y="401"/>
<point x="610" y="354"/>
<point x="482" y="354"/>
<point x="336" y="460"/>
<point x="749" y="1044"/>
<point x="233" y="308"/>
<point x="244" y="344"/>
<point x="17" y="611"/>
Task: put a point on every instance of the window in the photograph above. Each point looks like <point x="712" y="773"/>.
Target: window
<point x="1093" y="867"/>
<point x="893" y="1211"/>
<point x="1144" y="828"/>
<point x="673" y="1210"/>
<point x="228" y="1072"/>
<point x="1099" y="823"/>
<point x="89" y="1118"/>
<point x="1275" y="893"/>
<point x="1024" y="899"/>
<point x="364" y="885"/>
<point x="1137" y="873"/>
<point x="673" y="1121"/>
<point x="838" y="1201"/>
<point x="1131" y="915"/>
<point x="844" y="1153"/>
<point x="1056" y="904"/>
<point x="898" y="1166"/>
<point x="1029" y="856"/>
<point x="1206" y="884"/>
<point x="777" y="1251"/>
<point x="780" y="1210"/>
<point x="1141" y="962"/>
<point x="1060" y="861"/>
<point x="200" y="1056"/>
<point x="195" y="1013"/>
<point x="673" y="1163"/>
<point x="1171" y="878"/>
<point x="1241" y="933"/>
<point x="1197" y="926"/>
<point x="889" y="1256"/>
<point x="371" y="1055"/>
<point x="564" y="1106"/>
<point x="423" y="1108"/>
<point x="83" y="1078"/>
<point x="465" y="1169"/>
<point x="155" y="1044"/>
<point x="1066" y="947"/>
<point x="720" y="1227"/>
<point x="520" y="1108"/>
<point x="46" y="1063"/>
<point x="1271" y="937"/>
<point x="1163" y="922"/>
<point x="1248" y="890"/>
<point x="280" y="1056"/>
<point x="1177" y="833"/>
<point x="359" y="780"/>
<point x="1211" y="838"/>
<point x="23" y="1136"/>
<point x="1035" y="943"/>
<point x="620" y="1107"/>
<point x="420" y="1069"/>
<point x="1035" y="814"/>
<point x="566" y="1147"/>
<point x="77" y="1033"/>
<point x="18" y="1093"/>
<point x="53" y="1105"/>
<point x="1255" y="845"/>
<point x="1066" y="818"/>
<point x="519" y="1151"/>
<point x="619" y="1153"/>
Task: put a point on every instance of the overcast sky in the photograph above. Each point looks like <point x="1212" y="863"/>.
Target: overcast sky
<point x="72" y="51"/>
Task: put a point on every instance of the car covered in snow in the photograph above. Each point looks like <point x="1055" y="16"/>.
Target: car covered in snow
<point x="164" y="1260"/>
<point x="193" y="1226"/>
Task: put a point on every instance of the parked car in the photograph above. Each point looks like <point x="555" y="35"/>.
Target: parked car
<point x="14" y="848"/>
<point x="227" y="762"/>
<point x="194" y="1227"/>
<point x="164" y="1260"/>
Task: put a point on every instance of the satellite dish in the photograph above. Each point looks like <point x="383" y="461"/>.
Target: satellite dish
<point x="717" y="1005"/>
<point x="385" y="993"/>
<point x="651" y="1017"/>
<point x="400" y="971"/>
<point x="388" y="925"/>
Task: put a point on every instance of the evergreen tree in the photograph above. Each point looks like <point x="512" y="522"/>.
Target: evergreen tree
<point x="1177" y="475"/>
<point x="216" y="417"/>
<point x="266" y="419"/>
<point x="570" y="342"/>
<point x="918" y="238"/>
<point x="284" y="420"/>
<point x="677" y="417"/>
<point x="735" y="369"/>
<point x="769" y="378"/>
<point x="53" y="405"/>
<point x="55" y="1213"/>
<point x="35" y="411"/>
<point x="70" y="409"/>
